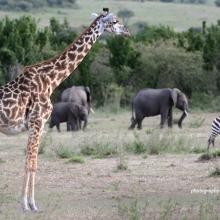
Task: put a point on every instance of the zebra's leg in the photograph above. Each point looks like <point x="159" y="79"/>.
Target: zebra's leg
<point x="211" y="140"/>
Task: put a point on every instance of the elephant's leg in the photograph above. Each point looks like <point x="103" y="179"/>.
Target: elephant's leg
<point x="164" y="116"/>
<point x="70" y="123"/>
<point x="136" y="120"/>
<point x="139" y="122"/>
<point x="79" y="124"/>
<point x="133" y="124"/>
<point x="58" y="127"/>
<point x="68" y="126"/>
<point x="74" y="124"/>
<point x="170" y="118"/>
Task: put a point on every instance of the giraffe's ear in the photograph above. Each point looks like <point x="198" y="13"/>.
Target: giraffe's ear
<point x="94" y="15"/>
<point x="108" y="18"/>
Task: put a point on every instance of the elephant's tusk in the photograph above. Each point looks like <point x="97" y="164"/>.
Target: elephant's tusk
<point x="93" y="112"/>
<point x="186" y="113"/>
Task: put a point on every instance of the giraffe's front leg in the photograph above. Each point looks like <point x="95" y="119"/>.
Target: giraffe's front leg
<point x="25" y="191"/>
<point x="31" y="201"/>
<point x="28" y="200"/>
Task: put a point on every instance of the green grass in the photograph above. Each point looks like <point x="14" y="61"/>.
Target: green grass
<point x="99" y="150"/>
<point x="166" y="141"/>
<point x="179" y="16"/>
<point x="197" y="123"/>
<point x="122" y="166"/>
<point x="2" y="161"/>
<point x="215" y="172"/>
<point x="46" y="141"/>
<point x="64" y="152"/>
<point x="209" y="155"/>
<point x="76" y="159"/>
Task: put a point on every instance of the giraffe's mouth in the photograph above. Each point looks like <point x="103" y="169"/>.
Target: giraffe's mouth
<point x="127" y="33"/>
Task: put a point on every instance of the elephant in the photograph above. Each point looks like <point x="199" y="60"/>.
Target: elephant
<point x="151" y="102"/>
<point x="69" y="112"/>
<point x="78" y="94"/>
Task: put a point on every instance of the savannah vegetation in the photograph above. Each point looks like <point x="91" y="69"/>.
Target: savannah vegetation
<point x="109" y="172"/>
<point x="117" y="67"/>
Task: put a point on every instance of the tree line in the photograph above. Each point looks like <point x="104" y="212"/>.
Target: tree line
<point x="116" y="67"/>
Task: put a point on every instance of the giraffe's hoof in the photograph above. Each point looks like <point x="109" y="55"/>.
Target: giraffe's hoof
<point x="33" y="207"/>
<point x="25" y="208"/>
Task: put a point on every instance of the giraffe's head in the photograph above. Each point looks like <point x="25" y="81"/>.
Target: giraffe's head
<point x="109" y="23"/>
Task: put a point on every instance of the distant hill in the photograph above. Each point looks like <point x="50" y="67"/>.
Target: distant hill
<point x="176" y="15"/>
<point x="27" y="5"/>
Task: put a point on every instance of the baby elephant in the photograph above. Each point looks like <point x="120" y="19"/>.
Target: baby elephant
<point x="69" y="112"/>
<point x="152" y="102"/>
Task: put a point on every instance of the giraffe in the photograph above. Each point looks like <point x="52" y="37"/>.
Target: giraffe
<point x="25" y="102"/>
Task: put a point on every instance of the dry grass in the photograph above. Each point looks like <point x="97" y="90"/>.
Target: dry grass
<point x="156" y="171"/>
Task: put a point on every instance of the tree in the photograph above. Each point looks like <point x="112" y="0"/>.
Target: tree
<point x="123" y="57"/>
<point x="217" y="3"/>
<point x="125" y="15"/>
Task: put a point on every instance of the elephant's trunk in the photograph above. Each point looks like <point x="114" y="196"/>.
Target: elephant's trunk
<point x="185" y="114"/>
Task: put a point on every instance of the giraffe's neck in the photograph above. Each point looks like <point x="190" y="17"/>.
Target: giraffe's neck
<point x="56" y="70"/>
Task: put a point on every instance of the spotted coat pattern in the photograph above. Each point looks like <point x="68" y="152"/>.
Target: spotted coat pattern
<point x="25" y="102"/>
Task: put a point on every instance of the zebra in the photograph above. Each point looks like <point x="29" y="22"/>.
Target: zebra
<point x="215" y="130"/>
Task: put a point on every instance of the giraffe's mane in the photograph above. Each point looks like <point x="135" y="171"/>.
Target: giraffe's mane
<point x="67" y="48"/>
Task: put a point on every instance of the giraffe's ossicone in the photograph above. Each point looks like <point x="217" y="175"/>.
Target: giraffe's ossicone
<point x="25" y="102"/>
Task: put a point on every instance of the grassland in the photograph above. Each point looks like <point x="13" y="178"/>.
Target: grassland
<point x="178" y="16"/>
<point x="110" y="172"/>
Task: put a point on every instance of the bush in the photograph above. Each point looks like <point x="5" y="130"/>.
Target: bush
<point x="217" y="3"/>
<point x="76" y="159"/>
<point x="215" y="173"/>
<point x="64" y="152"/>
<point x="99" y="150"/>
<point x="125" y="14"/>
<point x="163" y="65"/>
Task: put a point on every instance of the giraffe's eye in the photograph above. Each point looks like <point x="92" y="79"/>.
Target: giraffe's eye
<point x="115" y="22"/>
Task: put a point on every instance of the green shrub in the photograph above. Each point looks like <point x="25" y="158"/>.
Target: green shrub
<point x="215" y="173"/>
<point x="217" y="3"/>
<point x="122" y="166"/>
<point x="209" y="155"/>
<point x="99" y="150"/>
<point x="64" y="152"/>
<point x="76" y="159"/>
<point x="46" y="141"/>
<point x="1" y="161"/>
<point x="198" y="150"/>
<point x="87" y="151"/>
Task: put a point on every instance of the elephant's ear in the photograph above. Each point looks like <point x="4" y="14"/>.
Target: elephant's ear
<point x="175" y="92"/>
